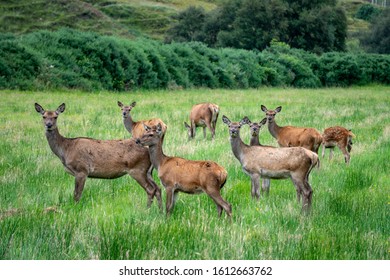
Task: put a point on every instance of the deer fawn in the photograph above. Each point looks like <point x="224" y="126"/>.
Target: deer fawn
<point x="136" y="128"/>
<point x="295" y="163"/>
<point x="105" y="159"/>
<point x="291" y="136"/>
<point x="182" y="175"/>
<point x="340" y="137"/>
<point x="255" y="141"/>
<point x="203" y="115"/>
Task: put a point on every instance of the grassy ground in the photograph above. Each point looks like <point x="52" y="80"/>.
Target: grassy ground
<point x="39" y="220"/>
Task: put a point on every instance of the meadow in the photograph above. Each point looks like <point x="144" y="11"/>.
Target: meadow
<point x="350" y="211"/>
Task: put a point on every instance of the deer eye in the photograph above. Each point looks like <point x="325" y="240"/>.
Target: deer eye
<point x="44" y="117"/>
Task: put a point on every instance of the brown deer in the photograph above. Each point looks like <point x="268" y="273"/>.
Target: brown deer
<point x="291" y="136"/>
<point x="203" y="115"/>
<point x="255" y="141"/>
<point x="182" y="175"/>
<point x="340" y="137"/>
<point x="258" y="162"/>
<point x="105" y="159"/>
<point x="136" y="127"/>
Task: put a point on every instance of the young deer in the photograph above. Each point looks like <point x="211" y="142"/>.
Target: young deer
<point x="203" y="115"/>
<point x="340" y="137"/>
<point x="182" y="175"/>
<point x="105" y="159"/>
<point x="255" y="141"/>
<point x="295" y="163"/>
<point x="291" y="136"/>
<point x="136" y="128"/>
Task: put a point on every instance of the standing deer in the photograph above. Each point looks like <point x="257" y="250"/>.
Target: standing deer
<point x="136" y="127"/>
<point x="182" y="175"/>
<point x="255" y="141"/>
<point x="203" y="115"/>
<point x="295" y="163"/>
<point x="105" y="159"/>
<point x="340" y="137"/>
<point x="291" y="136"/>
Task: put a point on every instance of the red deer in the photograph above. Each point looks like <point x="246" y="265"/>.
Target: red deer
<point x="340" y="137"/>
<point x="291" y="136"/>
<point x="181" y="175"/>
<point x="136" y="127"/>
<point x="255" y="141"/>
<point x="203" y="115"/>
<point x="258" y="162"/>
<point x="105" y="159"/>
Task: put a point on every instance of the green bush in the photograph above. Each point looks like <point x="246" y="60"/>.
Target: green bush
<point x="367" y="12"/>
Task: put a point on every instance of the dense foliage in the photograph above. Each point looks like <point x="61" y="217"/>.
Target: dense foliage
<point x="318" y="26"/>
<point x="88" y="61"/>
<point x="377" y="39"/>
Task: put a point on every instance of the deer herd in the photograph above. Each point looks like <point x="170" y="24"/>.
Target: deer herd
<point x="139" y="155"/>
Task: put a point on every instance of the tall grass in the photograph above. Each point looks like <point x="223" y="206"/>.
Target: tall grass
<point x="39" y="219"/>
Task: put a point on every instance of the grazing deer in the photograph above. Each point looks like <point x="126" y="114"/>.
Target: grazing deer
<point x="295" y="163"/>
<point x="340" y="137"/>
<point x="255" y="141"/>
<point x="203" y="115"/>
<point x="182" y="175"/>
<point x="136" y="128"/>
<point x="105" y="159"/>
<point x="291" y="136"/>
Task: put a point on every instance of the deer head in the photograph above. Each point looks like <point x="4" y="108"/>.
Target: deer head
<point x="50" y="117"/>
<point x="234" y="127"/>
<point x="255" y="127"/>
<point x="270" y="114"/>
<point x="126" y="109"/>
<point x="151" y="136"/>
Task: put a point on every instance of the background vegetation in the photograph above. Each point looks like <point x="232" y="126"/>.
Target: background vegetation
<point x="39" y="219"/>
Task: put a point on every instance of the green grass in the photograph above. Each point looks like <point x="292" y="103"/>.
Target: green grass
<point x="349" y="219"/>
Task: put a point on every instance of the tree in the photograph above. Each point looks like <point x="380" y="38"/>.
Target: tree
<point x="378" y="38"/>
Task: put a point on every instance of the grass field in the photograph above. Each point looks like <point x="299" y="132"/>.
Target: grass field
<point x="349" y="219"/>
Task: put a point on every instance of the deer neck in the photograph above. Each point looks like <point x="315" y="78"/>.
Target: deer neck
<point x="56" y="142"/>
<point x="255" y="141"/>
<point x="156" y="155"/>
<point x="238" y="147"/>
<point x="274" y="129"/>
<point x="129" y="123"/>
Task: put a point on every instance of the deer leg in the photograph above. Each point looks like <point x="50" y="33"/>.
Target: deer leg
<point x="143" y="181"/>
<point x="323" y="150"/>
<point x="307" y="197"/>
<point x="255" y="186"/>
<point x="346" y="154"/>
<point x="157" y="188"/>
<point x="204" y="132"/>
<point x="298" y="187"/>
<point x="265" y="186"/>
<point x="170" y="202"/>
<point x="79" y="185"/>
<point x="220" y="202"/>
<point x="331" y="153"/>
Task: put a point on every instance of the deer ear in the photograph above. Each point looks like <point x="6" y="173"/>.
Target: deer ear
<point x="133" y="104"/>
<point x="278" y="109"/>
<point x="60" y="109"/>
<point x="120" y="104"/>
<point x="263" y="121"/>
<point x="159" y="129"/>
<point x="246" y="120"/>
<point x="226" y="120"/>
<point x="147" y="128"/>
<point x="264" y="109"/>
<point x="39" y="108"/>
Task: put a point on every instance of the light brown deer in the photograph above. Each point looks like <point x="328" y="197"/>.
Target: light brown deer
<point x="340" y="137"/>
<point x="181" y="175"/>
<point x="203" y="115"/>
<point x="105" y="159"/>
<point x="291" y="136"/>
<point x="258" y="162"/>
<point x="255" y="141"/>
<point x="136" y="127"/>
